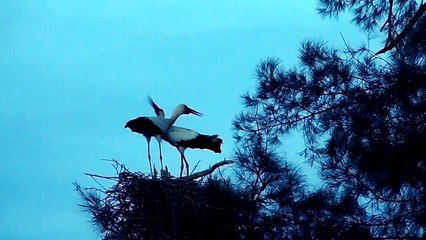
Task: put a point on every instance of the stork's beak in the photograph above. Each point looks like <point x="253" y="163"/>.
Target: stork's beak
<point x="190" y="110"/>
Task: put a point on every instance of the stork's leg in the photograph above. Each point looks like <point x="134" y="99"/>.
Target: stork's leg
<point x="161" y="155"/>
<point x="181" y="164"/>
<point x="149" y="154"/>
<point x="187" y="165"/>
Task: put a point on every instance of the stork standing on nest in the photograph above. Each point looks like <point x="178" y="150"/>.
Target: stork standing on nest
<point x="183" y="138"/>
<point x="157" y="126"/>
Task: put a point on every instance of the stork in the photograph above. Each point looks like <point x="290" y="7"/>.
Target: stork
<point x="183" y="138"/>
<point x="157" y="126"/>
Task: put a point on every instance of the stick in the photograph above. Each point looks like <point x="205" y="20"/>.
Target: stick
<point x="207" y="171"/>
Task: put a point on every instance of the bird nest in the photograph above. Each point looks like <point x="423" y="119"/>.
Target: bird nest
<point x="137" y="206"/>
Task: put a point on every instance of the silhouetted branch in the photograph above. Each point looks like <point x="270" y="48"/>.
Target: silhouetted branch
<point x="390" y="26"/>
<point x="207" y="171"/>
<point x="94" y="176"/>
<point x="119" y="167"/>
<point x="100" y="176"/>
<point x="391" y="43"/>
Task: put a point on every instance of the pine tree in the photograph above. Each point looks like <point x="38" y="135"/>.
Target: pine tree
<point x="363" y="115"/>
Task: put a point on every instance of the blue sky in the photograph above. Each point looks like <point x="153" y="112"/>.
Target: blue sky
<point x="73" y="72"/>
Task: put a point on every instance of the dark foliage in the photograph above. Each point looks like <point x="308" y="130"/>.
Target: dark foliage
<point x="286" y="208"/>
<point x="363" y="117"/>
<point x="373" y="118"/>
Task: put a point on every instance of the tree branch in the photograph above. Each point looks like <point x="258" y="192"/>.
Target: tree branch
<point x="389" y="22"/>
<point x="391" y="43"/>
<point x="207" y="171"/>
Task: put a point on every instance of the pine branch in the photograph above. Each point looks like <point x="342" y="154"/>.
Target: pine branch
<point x="391" y="43"/>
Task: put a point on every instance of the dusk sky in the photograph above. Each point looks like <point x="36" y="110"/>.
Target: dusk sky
<point x="74" y="72"/>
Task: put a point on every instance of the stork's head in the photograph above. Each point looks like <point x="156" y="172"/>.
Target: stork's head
<point x="183" y="109"/>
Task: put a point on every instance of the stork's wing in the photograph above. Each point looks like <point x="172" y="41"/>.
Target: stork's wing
<point x="188" y="138"/>
<point x="158" y="111"/>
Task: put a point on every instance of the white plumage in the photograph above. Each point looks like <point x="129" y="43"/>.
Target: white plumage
<point x="176" y="134"/>
<point x="183" y="138"/>
<point x="157" y="126"/>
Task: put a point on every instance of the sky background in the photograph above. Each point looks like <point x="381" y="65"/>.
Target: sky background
<point x="72" y="73"/>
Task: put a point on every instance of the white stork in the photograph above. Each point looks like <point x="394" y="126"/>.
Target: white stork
<point x="183" y="138"/>
<point x="157" y="126"/>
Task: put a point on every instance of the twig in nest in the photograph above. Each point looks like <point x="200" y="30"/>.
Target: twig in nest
<point x="100" y="176"/>
<point x="94" y="176"/>
<point x="119" y="167"/>
<point x="196" y="165"/>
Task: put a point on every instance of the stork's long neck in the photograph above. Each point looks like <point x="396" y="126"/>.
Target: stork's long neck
<point x="174" y="117"/>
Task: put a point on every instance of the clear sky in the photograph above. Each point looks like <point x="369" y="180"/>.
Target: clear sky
<point x="73" y="72"/>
